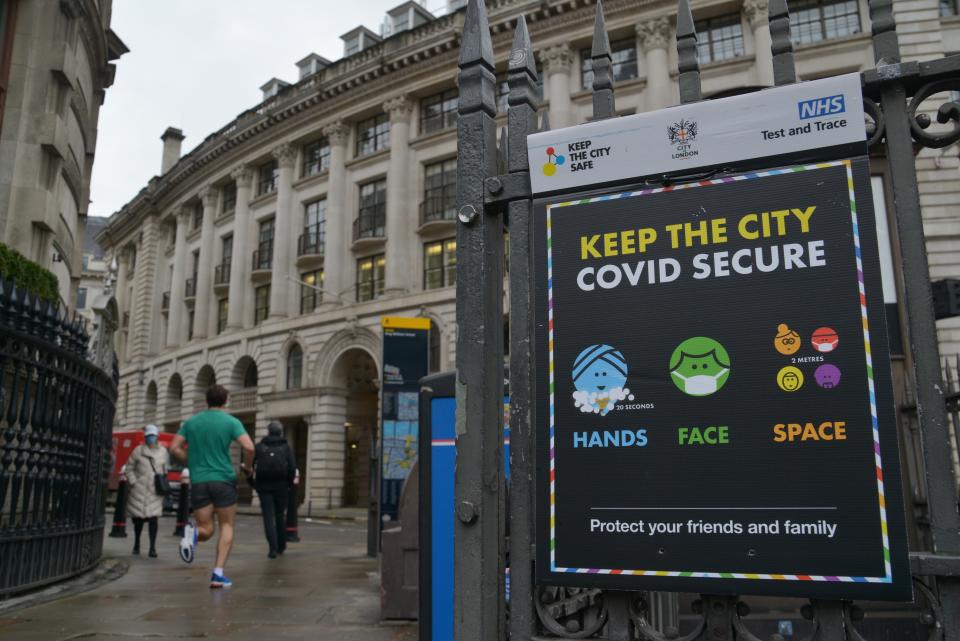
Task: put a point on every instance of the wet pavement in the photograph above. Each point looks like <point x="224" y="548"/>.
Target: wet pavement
<point x="323" y="588"/>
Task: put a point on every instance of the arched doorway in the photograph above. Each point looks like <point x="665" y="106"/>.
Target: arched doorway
<point x="356" y="372"/>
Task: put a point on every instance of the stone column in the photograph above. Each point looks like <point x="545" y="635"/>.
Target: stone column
<point x="557" y="61"/>
<point x="283" y="251"/>
<point x="756" y="12"/>
<point x="337" y="266"/>
<point x="204" y="300"/>
<point x="654" y="37"/>
<point x="242" y="249"/>
<point x="175" y="322"/>
<point x="400" y="224"/>
<point x="327" y="442"/>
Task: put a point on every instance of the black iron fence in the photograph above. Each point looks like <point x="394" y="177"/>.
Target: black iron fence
<point x="493" y="189"/>
<point x="56" y="412"/>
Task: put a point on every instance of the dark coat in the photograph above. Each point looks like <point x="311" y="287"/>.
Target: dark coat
<point x="273" y="441"/>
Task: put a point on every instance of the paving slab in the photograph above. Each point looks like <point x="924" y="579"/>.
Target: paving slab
<point x="324" y="587"/>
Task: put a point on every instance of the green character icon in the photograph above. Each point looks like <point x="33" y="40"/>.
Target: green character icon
<point x="699" y="366"/>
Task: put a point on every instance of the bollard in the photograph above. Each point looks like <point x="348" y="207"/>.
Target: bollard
<point x="183" y="503"/>
<point x="293" y="536"/>
<point x="119" y="529"/>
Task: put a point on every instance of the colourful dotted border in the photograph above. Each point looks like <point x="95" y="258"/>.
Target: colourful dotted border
<point x="888" y="578"/>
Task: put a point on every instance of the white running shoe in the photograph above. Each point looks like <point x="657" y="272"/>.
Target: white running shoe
<point x="188" y="544"/>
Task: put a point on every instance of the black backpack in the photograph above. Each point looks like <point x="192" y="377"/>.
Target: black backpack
<point x="271" y="462"/>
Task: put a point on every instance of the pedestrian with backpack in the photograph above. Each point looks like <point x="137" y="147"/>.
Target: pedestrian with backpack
<point x="273" y="471"/>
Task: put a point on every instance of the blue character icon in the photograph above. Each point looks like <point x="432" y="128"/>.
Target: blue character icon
<point x="600" y="378"/>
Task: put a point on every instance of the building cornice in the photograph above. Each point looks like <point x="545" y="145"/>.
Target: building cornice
<point x="361" y="81"/>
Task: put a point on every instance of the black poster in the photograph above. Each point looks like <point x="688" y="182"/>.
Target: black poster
<point x="714" y="405"/>
<point x="405" y="346"/>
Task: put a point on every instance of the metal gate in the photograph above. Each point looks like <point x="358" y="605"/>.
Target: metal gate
<point x="57" y="401"/>
<point x="493" y="195"/>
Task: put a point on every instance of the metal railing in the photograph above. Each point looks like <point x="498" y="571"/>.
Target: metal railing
<point x="894" y="96"/>
<point x="221" y="274"/>
<point x="371" y="223"/>
<point x="435" y="208"/>
<point x="56" y="412"/>
<point x="310" y="243"/>
<point x="263" y="257"/>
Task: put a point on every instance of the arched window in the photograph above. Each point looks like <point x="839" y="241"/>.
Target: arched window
<point x="295" y="367"/>
<point x="433" y="350"/>
<point x="150" y="409"/>
<point x="250" y="376"/>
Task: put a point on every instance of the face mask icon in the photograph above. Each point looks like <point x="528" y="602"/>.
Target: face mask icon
<point x="825" y="340"/>
<point x="699" y="366"/>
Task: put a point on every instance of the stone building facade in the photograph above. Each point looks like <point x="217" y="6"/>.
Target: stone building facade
<point x="265" y="258"/>
<point x="56" y="63"/>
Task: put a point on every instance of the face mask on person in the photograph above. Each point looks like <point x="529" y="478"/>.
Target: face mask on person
<point x="151" y="439"/>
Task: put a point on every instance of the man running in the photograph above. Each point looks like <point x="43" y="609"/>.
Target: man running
<point x="213" y="481"/>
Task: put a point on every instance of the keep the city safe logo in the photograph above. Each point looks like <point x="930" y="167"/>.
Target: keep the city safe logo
<point x="699" y="366"/>
<point x="600" y="378"/>
<point x="554" y="160"/>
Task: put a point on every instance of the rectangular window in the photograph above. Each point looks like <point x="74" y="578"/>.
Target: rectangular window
<point x="310" y="291"/>
<point x="948" y="8"/>
<point x="372" y="216"/>
<point x="720" y="38"/>
<point x="314" y="228"/>
<point x="267" y="177"/>
<point x="261" y="304"/>
<point x="222" y="272"/>
<point x="190" y="321"/>
<point x="316" y="157"/>
<point x="370" y="275"/>
<point x="81" y="298"/>
<point x="198" y="216"/>
<point x="440" y="264"/>
<point x="503" y="89"/>
<point x="263" y="256"/>
<point x="223" y="307"/>
<point x="438" y="112"/>
<point x="373" y="135"/>
<point x="352" y="46"/>
<point x="816" y="20"/>
<point x="624" y="55"/>
<point x="228" y="197"/>
<point x="440" y="191"/>
<point x="227" y="250"/>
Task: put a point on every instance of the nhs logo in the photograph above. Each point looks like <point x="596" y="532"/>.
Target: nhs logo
<point x="819" y="107"/>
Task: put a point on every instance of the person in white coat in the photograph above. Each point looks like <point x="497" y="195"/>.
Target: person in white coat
<point x="144" y="504"/>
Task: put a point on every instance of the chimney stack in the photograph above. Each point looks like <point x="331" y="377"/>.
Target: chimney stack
<point x="171" y="138"/>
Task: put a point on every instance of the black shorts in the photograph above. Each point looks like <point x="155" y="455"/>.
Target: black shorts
<point x="220" y="493"/>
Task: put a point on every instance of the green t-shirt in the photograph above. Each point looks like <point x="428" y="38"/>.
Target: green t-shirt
<point x="208" y="435"/>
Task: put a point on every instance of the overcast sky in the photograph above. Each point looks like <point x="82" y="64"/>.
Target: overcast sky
<point x="196" y="64"/>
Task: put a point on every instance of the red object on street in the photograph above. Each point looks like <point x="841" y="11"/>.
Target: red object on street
<point x="125" y="442"/>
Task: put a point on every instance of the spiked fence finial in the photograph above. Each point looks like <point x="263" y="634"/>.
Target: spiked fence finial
<point x="476" y="45"/>
<point x="521" y="55"/>
<point x="781" y="46"/>
<point x="601" y="63"/>
<point x="601" y="41"/>
<point x="687" y="63"/>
